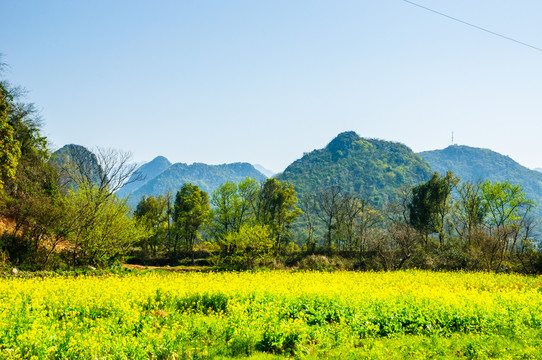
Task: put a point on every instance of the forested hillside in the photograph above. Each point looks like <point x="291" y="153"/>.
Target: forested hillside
<point x="476" y="164"/>
<point x="369" y="168"/>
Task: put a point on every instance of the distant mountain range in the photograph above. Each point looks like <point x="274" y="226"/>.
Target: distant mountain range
<point x="475" y="164"/>
<point x="144" y="174"/>
<point x="374" y="169"/>
<point x="207" y="177"/>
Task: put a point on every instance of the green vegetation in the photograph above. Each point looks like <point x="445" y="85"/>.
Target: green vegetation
<point x="363" y="204"/>
<point x="273" y="315"/>
<point x="475" y="164"/>
<point x="206" y="177"/>
<point x="372" y="169"/>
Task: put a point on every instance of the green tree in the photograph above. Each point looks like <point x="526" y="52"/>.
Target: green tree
<point x="431" y="204"/>
<point x="233" y="205"/>
<point x="470" y="210"/>
<point x="152" y="215"/>
<point x="248" y="247"/>
<point x="506" y="203"/>
<point x="100" y="227"/>
<point x="277" y="208"/>
<point x="508" y="223"/>
<point x="10" y="149"/>
<point x="191" y="210"/>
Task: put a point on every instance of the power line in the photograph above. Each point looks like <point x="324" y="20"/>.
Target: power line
<point x="474" y="26"/>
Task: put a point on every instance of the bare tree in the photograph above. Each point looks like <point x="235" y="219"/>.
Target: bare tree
<point x="307" y="205"/>
<point x="106" y="169"/>
<point x="328" y="208"/>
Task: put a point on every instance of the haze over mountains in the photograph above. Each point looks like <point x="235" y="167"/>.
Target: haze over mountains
<point x="373" y="169"/>
<point x="207" y="177"/>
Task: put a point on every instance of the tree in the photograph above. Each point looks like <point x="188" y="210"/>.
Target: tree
<point x="100" y="228"/>
<point x="430" y="205"/>
<point x="89" y="182"/>
<point x="350" y="209"/>
<point x="328" y="209"/>
<point x="106" y="169"/>
<point x="28" y="188"/>
<point x="10" y="150"/>
<point x="233" y="205"/>
<point x="249" y="246"/>
<point x="307" y="206"/>
<point x="191" y="211"/>
<point x="277" y="208"/>
<point x="152" y="214"/>
<point x="507" y="221"/>
<point x="367" y="218"/>
<point x="470" y="210"/>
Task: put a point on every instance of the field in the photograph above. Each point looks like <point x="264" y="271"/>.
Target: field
<point x="273" y="314"/>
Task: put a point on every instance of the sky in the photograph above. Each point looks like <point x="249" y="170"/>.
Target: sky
<point x="264" y="82"/>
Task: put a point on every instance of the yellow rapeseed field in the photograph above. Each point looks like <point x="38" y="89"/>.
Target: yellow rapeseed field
<point x="382" y="315"/>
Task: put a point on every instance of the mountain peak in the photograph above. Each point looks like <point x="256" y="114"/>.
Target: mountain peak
<point x="369" y="168"/>
<point x="160" y="159"/>
<point x="344" y="142"/>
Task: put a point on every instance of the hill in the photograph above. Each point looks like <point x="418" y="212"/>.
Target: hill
<point x="207" y="177"/>
<point x="144" y="174"/>
<point x="78" y="158"/>
<point x="373" y="169"/>
<point x="476" y="164"/>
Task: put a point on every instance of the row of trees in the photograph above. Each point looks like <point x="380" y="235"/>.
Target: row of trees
<point x="442" y="223"/>
<point x="246" y="222"/>
<point x="439" y="224"/>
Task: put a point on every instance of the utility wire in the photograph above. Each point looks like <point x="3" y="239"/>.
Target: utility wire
<point x="474" y="26"/>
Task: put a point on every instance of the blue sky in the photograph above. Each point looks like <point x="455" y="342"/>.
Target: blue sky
<point x="265" y="81"/>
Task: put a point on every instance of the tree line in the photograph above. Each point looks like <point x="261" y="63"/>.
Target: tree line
<point x="440" y="224"/>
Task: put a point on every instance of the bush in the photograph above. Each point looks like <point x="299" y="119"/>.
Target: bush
<point x="324" y="263"/>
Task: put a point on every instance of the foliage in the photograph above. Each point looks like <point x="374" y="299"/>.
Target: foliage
<point x="191" y="211"/>
<point x="430" y="204"/>
<point x="152" y="214"/>
<point x="233" y="205"/>
<point x="99" y="227"/>
<point x="10" y="149"/>
<point x="273" y="314"/>
<point x="206" y="177"/>
<point x="367" y="168"/>
<point x="277" y="209"/>
<point x="474" y="164"/>
<point x="248" y="247"/>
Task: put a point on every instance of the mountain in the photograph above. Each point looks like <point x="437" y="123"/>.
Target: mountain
<point x="207" y="177"/>
<point x="374" y="169"/>
<point x="475" y="164"/>
<point x="144" y="174"/>
<point x="73" y="157"/>
<point x="263" y="170"/>
<point x="538" y="169"/>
